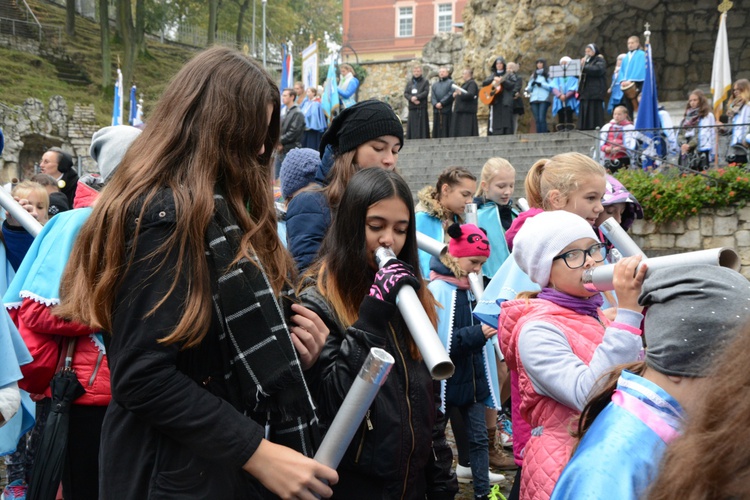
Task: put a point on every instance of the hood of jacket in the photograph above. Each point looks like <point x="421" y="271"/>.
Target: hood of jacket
<point x="428" y="203"/>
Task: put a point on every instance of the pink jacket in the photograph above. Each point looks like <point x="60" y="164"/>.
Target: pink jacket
<point x="550" y="445"/>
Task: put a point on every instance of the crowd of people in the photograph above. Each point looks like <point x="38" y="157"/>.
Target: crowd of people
<point x="213" y="336"/>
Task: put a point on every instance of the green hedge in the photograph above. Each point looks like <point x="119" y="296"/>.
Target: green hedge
<point x="673" y="196"/>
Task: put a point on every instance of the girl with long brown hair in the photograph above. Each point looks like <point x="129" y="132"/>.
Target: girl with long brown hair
<point x="696" y="130"/>
<point x="400" y="449"/>
<point x="181" y="263"/>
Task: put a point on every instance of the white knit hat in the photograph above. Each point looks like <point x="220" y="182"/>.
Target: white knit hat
<point x="543" y="237"/>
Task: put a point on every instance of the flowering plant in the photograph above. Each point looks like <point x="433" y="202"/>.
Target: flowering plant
<point x="667" y="197"/>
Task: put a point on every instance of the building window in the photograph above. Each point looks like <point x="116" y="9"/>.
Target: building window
<point x="405" y="21"/>
<point x="445" y="18"/>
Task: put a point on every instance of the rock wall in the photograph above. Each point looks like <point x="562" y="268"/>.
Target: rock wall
<point x="711" y="228"/>
<point x="32" y="128"/>
<point x="683" y="35"/>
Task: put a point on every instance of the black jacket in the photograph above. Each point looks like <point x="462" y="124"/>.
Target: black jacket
<point x="69" y="183"/>
<point x="292" y="128"/>
<point x="169" y="431"/>
<point x="593" y="81"/>
<point x="422" y="87"/>
<point x="399" y="451"/>
<point x="467" y="103"/>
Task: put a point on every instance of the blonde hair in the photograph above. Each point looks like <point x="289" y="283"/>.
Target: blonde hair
<point x="564" y="172"/>
<point x="490" y="169"/>
<point x="25" y="188"/>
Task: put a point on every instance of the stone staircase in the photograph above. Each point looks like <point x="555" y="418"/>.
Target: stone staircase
<point x="68" y="71"/>
<point x="14" y="22"/>
<point x="421" y="161"/>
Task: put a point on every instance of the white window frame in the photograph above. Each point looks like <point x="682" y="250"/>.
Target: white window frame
<point x="400" y="17"/>
<point x="438" y="14"/>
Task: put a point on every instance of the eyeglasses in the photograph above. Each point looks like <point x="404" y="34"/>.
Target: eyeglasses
<point x="577" y="258"/>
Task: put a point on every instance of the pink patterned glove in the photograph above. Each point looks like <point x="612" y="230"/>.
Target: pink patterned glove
<point x="389" y="280"/>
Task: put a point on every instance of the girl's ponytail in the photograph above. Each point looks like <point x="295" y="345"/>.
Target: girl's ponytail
<point x="533" y="184"/>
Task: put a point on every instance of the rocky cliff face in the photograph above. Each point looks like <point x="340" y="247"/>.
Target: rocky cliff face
<point x="683" y="35"/>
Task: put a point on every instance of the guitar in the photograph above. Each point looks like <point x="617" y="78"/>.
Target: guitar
<point x="490" y="93"/>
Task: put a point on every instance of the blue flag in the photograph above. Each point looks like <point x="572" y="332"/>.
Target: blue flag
<point x="287" y="67"/>
<point x="330" y="99"/>
<point x="133" y="106"/>
<point x="117" y="108"/>
<point x="648" y="117"/>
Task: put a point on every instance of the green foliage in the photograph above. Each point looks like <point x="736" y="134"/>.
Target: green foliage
<point x="666" y="197"/>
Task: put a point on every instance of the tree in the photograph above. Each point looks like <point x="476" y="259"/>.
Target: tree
<point x="213" y="8"/>
<point x="70" y="17"/>
<point x="240" y="20"/>
<point x="106" y="54"/>
<point x="132" y="36"/>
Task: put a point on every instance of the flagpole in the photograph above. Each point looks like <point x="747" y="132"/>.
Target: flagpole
<point x="264" y="32"/>
<point x="721" y="73"/>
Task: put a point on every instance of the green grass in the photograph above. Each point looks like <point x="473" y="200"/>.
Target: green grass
<point x="25" y="75"/>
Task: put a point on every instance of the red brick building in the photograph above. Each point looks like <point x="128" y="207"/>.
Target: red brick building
<point x="382" y="30"/>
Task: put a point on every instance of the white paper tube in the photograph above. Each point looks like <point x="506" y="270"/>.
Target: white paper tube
<point x="435" y="356"/>
<point x="362" y="393"/>
<point x="430" y="245"/>
<point x="456" y="87"/>
<point x="620" y="238"/>
<point x="23" y="217"/>
<point x="600" y="278"/>
<point x="477" y="286"/>
<point x="470" y="214"/>
<point x="523" y="204"/>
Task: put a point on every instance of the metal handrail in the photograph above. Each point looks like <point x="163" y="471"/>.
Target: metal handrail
<point x="35" y="19"/>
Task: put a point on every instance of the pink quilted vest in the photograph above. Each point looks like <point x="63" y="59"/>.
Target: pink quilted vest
<point x="550" y="445"/>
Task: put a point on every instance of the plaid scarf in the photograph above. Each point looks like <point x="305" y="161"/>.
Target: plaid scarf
<point x="260" y="360"/>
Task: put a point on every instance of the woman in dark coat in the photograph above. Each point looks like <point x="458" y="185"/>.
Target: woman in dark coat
<point x="464" y="122"/>
<point x="180" y="260"/>
<point x="501" y="110"/>
<point x="592" y="89"/>
<point x="416" y="92"/>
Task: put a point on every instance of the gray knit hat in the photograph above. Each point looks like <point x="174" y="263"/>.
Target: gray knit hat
<point x="362" y="122"/>
<point x="692" y="315"/>
<point x="109" y="145"/>
<point x="298" y="170"/>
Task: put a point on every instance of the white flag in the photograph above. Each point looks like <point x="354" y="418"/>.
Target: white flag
<point x="721" y="76"/>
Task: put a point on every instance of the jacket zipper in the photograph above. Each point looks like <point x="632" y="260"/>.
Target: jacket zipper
<point x="96" y="368"/>
<point x="370" y="427"/>
<point x="408" y="406"/>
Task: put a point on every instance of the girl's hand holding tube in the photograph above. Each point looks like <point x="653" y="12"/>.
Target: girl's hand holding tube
<point x="290" y="474"/>
<point x="309" y="334"/>
<point x="628" y="280"/>
<point x="390" y="278"/>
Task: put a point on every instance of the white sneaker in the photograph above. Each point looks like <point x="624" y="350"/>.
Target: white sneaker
<point x="464" y="475"/>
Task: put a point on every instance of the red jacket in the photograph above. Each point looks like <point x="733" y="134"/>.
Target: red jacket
<point x="42" y="332"/>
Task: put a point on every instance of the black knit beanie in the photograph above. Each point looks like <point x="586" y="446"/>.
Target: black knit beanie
<point x="65" y="163"/>
<point x="365" y="121"/>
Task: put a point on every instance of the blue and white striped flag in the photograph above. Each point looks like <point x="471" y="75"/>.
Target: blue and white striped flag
<point x="117" y="109"/>
<point x="133" y="106"/>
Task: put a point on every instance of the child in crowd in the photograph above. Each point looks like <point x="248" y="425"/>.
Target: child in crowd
<point x="474" y="386"/>
<point x="572" y="182"/>
<point x="614" y="90"/>
<point x="617" y="140"/>
<point x="496" y="211"/>
<point x="718" y="423"/>
<point x="366" y="134"/>
<point x="399" y="450"/>
<point x="627" y="425"/>
<point x="34" y="198"/>
<point x="443" y="205"/>
<point x="558" y="340"/>
<point x="697" y="134"/>
<point x="58" y="202"/>
<point x="297" y="172"/>
<point x="738" y="113"/>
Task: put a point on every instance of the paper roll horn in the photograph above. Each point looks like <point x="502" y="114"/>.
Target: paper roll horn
<point x="430" y="245"/>
<point x="435" y="356"/>
<point x="600" y="278"/>
<point x="362" y="393"/>
<point x="620" y="238"/>
<point x="23" y="217"/>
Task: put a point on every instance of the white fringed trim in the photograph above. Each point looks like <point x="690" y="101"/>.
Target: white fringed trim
<point x="25" y="294"/>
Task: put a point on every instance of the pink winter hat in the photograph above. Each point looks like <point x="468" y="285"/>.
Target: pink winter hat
<point x="468" y="240"/>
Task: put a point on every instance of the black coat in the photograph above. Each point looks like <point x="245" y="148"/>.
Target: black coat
<point x="418" y="125"/>
<point x="593" y="82"/>
<point x="292" y="128"/>
<point x="400" y="449"/>
<point x="169" y="431"/>
<point x="464" y="122"/>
